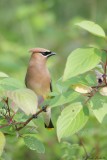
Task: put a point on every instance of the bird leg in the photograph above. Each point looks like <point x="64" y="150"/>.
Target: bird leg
<point x="44" y="108"/>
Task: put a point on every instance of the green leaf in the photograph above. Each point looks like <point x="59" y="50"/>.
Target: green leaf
<point x="92" y="28"/>
<point x="25" y="99"/>
<point x="91" y="78"/>
<point x="80" y="61"/>
<point x="11" y="84"/>
<point x="2" y="142"/>
<point x="70" y="150"/>
<point x="71" y="120"/>
<point x="99" y="107"/>
<point x="3" y="75"/>
<point x="9" y="130"/>
<point x="88" y="78"/>
<point x="34" y="144"/>
<point x="1" y="92"/>
<point x="29" y="130"/>
<point x="64" y="85"/>
<point x="64" y="98"/>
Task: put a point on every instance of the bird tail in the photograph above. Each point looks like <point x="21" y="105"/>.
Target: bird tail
<point x="47" y="118"/>
<point x="50" y="125"/>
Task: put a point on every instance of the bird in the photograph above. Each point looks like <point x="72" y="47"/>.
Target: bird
<point x="38" y="79"/>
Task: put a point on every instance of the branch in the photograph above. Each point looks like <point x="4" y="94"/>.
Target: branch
<point x="104" y="76"/>
<point x="8" y="108"/>
<point x="12" y="122"/>
<point x="32" y="117"/>
<point x="105" y="85"/>
<point x="5" y="125"/>
<point x="105" y="66"/>
<point x="82" y="144"/>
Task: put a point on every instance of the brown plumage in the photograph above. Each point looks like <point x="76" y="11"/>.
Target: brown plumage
<point x="38" y="78"/>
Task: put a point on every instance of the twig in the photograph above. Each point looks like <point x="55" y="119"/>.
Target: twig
<point x="5" y="125"/>
<point x="105" y="66"/>
<point x="104" y="77"/>
<point x="32" y="117"/>
<point x="82" y="144"/>
<point x="10" y="123"/>
<point x="94" y="91"/>
<point x="23" y="123"/>
<point x="99" y="86"/>
<point x="8" y="108"/>
<point x="87" y="100"/>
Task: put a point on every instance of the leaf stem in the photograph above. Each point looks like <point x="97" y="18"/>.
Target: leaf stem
<point x="5" y="125"/>
<point x="8" y="108"/>
<point x="104" y="77"/>
<point x="83" y="146"/>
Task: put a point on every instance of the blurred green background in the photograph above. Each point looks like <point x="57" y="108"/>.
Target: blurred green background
<point x="26" y="24"/>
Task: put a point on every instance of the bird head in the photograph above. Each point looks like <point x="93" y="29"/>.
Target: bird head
<point x="43" y="52"/>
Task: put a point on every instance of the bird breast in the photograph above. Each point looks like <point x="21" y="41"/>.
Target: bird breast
<point x="38" y="79"/>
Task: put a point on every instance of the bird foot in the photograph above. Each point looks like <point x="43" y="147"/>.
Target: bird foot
<point x="34" y="116"/>
<point x="44" y="108"/>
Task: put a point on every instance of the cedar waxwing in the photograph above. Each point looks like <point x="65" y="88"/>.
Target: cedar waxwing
<point x="38" y="78"/>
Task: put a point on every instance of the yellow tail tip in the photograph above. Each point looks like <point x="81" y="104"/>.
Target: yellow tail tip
<point x="49" y="129"/>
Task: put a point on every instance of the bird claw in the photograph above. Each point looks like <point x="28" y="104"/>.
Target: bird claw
<point x="44" y="108"/>
<point x="35" y="116"/>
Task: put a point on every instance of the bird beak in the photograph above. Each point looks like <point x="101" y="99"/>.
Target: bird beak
<point x="51" y="54"/>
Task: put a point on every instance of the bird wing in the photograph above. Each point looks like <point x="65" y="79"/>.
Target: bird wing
<point x="51" y="86"/>
<point x="26" y="80"/>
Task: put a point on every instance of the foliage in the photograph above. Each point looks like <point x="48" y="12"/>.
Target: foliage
<point x="2" y="142"/>
<point x="72" y="119"/>
<point x="34" y="144"/>
<point x="89" y="57"/>
<point x="77" y="95"/>
<point x="93" y="28"/>
<point x="52" y="24"/>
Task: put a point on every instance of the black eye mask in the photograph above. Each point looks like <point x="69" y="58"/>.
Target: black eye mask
<point x="46" y="53"/>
